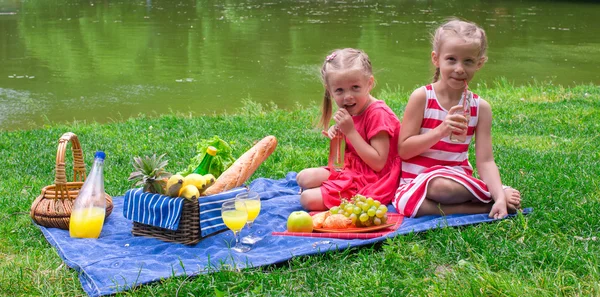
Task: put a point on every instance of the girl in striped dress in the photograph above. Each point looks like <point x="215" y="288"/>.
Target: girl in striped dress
<point x="437" y="177"/>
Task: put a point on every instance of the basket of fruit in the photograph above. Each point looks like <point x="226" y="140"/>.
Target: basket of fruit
<point x="185" y="208"/>
<point x="161" y="188"/>
<point x="52" y="208"/>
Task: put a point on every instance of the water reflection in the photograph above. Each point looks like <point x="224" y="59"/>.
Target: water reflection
<point x="94" y="59"/>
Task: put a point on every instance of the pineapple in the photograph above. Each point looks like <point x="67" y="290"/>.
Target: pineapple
<point x="150" y="172"/>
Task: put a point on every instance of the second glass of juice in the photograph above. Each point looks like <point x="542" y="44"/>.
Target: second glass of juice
<point x="252" y="203"/>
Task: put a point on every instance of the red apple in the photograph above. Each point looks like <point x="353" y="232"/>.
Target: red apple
<point x="300" y="221"/>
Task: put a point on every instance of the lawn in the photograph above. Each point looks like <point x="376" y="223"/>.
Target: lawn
<point x="545" y="143"/>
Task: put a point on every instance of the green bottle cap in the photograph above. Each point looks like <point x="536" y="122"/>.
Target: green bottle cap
<point x="211" y="150"/>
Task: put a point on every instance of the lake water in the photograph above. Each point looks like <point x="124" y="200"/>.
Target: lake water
<point x="109" y="60"/>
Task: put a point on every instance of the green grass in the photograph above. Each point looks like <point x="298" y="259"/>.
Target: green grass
<point x="545" y="142"/>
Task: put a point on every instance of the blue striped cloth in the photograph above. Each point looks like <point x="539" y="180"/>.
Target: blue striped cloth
<point x="165" y="212"/>
<point x="210" y="210"/>
<point x="152" y="209"/>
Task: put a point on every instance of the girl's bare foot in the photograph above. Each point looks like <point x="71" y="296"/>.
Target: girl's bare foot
<point x="513" y="199"/>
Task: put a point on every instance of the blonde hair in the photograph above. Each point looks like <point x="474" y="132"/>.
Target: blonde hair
<point x="341" y="59"/>
<point x="468" y="31"/>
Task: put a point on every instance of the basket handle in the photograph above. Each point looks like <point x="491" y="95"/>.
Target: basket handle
<point x="79" y="174"/>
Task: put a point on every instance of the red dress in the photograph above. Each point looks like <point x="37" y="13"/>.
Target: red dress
<point x="357" y="177"/>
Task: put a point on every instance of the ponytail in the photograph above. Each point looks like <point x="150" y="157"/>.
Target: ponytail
<point x="326" y="110"/>
<point x="436" y="75"/>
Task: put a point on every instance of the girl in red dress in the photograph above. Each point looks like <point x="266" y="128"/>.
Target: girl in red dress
<point x="370" y="128"/>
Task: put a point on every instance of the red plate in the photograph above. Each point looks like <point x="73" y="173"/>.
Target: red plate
<point x="354" y="230"/>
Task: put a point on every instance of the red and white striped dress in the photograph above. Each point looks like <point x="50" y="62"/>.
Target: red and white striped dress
<point x="443" y="159"/>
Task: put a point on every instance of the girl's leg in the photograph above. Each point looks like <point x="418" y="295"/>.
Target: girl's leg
<point x="312" y="199"/>
<point x="445" y="196"/>
<point x="312" y="177"/>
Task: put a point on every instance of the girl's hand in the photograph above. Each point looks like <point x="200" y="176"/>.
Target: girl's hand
<point x="343" y="121"/>
<point x="498" y="210"/>
<point x="455" y="122"/>
<point x="331" y="132"/>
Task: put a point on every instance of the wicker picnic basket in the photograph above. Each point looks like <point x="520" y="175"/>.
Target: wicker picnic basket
<point x="52" y="208"/>
<point x="187" y="233"/>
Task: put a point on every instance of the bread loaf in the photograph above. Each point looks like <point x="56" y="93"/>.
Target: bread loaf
<point x="337" y="221"/>
<point x="319" y="218"/>
<point x="239" y="172"/>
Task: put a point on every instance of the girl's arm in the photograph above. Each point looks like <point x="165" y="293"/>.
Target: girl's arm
<point x="486" y="166"/>
<point x="411" y="142"/>
<point x="375" y="153"/>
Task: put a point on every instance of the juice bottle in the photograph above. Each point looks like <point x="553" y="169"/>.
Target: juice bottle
<point x="89" y="209"/>
<point x="204" y="167"/>
<point x="337" y="147"/>
<point x="466" y="111"/>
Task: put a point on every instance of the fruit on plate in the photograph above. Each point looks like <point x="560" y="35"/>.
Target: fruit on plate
<point x="362" y="211"/>
<point x="300" y="221"/>
<point x="189" y="192"/>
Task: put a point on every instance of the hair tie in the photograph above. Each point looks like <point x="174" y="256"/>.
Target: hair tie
<point x="330" y="57"/>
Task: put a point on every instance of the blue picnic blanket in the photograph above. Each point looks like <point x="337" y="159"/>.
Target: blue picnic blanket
<point x="118" y="261"/>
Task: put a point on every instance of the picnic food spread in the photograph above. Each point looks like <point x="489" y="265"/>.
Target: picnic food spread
<point x="359" y="212"/>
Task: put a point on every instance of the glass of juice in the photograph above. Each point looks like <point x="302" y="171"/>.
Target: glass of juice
<point x="252" y="202"/>
<point x="235" y="216"/>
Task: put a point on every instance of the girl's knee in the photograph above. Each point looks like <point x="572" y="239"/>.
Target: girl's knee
<point x="311" y="177"/>
<point x="306" y="200"/>
<point x="439" y="187"/>
<point x="301" y="178"/>
<point x="312" y="200"/>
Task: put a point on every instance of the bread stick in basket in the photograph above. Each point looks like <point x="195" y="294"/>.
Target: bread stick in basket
<point x="241" y="170"/>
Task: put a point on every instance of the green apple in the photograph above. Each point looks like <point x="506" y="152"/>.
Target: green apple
<point x="300" y="221"/>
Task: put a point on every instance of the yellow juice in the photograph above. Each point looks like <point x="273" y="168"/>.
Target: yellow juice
<point x="253" y="208"/>
<point x="87" y="222"/>
<point x="235" y="219"/>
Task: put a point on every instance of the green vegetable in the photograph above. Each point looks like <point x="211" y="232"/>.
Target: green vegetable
<point x="220" y="162"/>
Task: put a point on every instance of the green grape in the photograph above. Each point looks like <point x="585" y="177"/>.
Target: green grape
<point x="376" y="203"/>
<point x="349" y="208"/>
<point x="368" y="223"/>
<point x="385" y="218"/>
<point x="371" y="212"/>
<point x="370" y="201"/>
<point x="363" y="217"/>
<point x="347" y="214"/>
<point x="365" y="207"/>
<point x="353" y="217"/>
<point x="383" y="208"/>
<point x="379" y="213"/>
<point x="376" y="221"/>
<point x="334" y="210"/>
<point x="357" y="210"/>
<point x="363" y="198"/>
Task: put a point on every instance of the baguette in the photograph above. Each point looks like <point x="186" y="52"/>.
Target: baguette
<point x="239" y="172"/>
